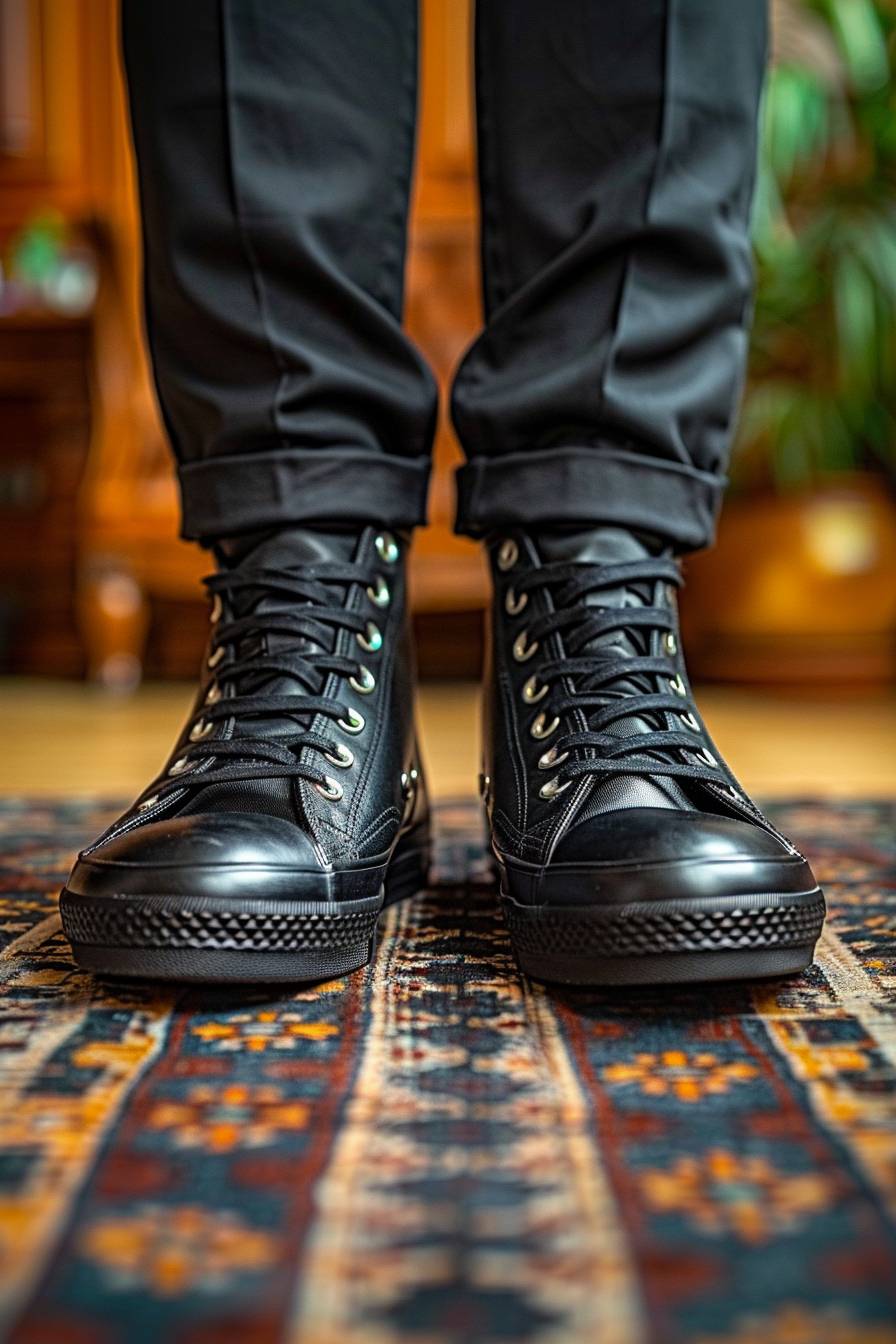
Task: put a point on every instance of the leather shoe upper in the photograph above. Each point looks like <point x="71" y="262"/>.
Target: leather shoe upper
<point x="601" y="780"/>
<point x="297" y="768"/>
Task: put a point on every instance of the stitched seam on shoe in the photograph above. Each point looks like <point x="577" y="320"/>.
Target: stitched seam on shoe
<point x="510" y="711"/>
<point x="380" y="823"/>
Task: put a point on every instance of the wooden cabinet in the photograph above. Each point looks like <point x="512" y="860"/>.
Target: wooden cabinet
<point x="44" y="403"/>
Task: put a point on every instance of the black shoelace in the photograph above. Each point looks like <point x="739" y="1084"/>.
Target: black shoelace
<point x="310" y="616"/>
<point x="610" y="686"/>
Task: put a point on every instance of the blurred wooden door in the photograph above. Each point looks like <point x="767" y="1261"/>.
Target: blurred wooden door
<point x="63" y="152"/>
<point x="443" y="307"/>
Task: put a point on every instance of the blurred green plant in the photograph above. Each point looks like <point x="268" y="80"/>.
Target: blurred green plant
<point x="821" y="390"/>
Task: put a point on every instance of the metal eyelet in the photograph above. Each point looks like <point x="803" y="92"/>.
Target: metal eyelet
<point x="733" y="793"/>
<point x="541" y="729"/>
<point x="532" y="692"/>
<point x="201" y="729"/>
<point x="690" y="722"/>
<point x="522" y="651"/>
<point x="706" y="756"/>
<point x="513" y="605"/>
<point x="354" y="724"/>
<point x="217" y="610"/>
<point x="670" y="644"/>
<point x="332" y="790"/>
<point x="551" y="757"/>
<point x="386" y="548"/>
<point x="341" y="757"/>
<point x="380" y="595"/>
<point x="148" y="803"/>
<point x="678" y="686"/>
<point x="180" y="765"/>
<point x="553" y="787"/>
<point x="213" y="694"/>
<point x="508" y="554"/>
<point x="409" y="780"/>
<point x="364" y="682"/>
<point x="214" y="658"/>
<point x="372" y="639"/>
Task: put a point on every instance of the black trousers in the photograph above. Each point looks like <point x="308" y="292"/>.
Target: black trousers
<point x="616" y="155"/>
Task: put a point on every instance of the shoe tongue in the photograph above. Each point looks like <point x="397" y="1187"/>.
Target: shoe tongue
<point x="615" y="546"/>
<point x="594" y="546"/>
<point x="605" y="546"/>
<point x="284" y="550"/>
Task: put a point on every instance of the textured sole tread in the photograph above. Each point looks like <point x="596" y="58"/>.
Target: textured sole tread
<point x="152" y="924"/>
<point x="648" y="932"/>
<point x="641" y="945"/>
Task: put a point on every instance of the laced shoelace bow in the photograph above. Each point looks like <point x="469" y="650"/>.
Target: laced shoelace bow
<point x="312" y="618"/>
<point x="596" y="675"/>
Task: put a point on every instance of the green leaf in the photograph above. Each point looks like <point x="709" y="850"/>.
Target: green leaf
<point x="855" y="308"/>
<point x="794" y="120"/>
<point x="862" y="40"/>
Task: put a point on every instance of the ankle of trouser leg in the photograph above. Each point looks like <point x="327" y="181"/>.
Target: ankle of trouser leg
<point x="588" y="486"/>
<point x="256" y="491"/>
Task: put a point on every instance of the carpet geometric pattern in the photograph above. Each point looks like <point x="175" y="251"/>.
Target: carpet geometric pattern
<point x="436" y="1149"/>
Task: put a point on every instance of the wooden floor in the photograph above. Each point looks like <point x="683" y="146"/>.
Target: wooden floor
<point x="66" y="738"/>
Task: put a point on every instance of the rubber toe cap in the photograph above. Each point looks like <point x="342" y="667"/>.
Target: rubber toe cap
<point x="218" y="855"/>
<point x="653" y="854"/>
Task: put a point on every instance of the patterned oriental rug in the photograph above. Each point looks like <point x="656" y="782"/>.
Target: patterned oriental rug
<point x="436" y="1149"/>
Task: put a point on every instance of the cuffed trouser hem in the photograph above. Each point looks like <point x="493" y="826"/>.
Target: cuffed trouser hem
<point x="222" y="496"/>
<point x="588" y="486"/>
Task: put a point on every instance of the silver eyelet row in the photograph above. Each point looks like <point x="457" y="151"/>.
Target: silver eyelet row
<point x="354" y="724"/>
<point x="380" y="594"/>
<point x="508" y="554"/>
<point x="386" y="548"/>
<point x="371" y="640"/>
<point x="513" y="605"/>
<point x="551" y="757"/>
<point x="532" y="692"/>
<point x="522" y="649"/>
<point x="341" y="757"/>
<point x="541" y="729"/>
<point x="365" y="682"/>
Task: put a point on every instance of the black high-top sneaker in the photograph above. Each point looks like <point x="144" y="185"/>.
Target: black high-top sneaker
<point x="293" y="806"/>
<point x="628" y="852"/>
